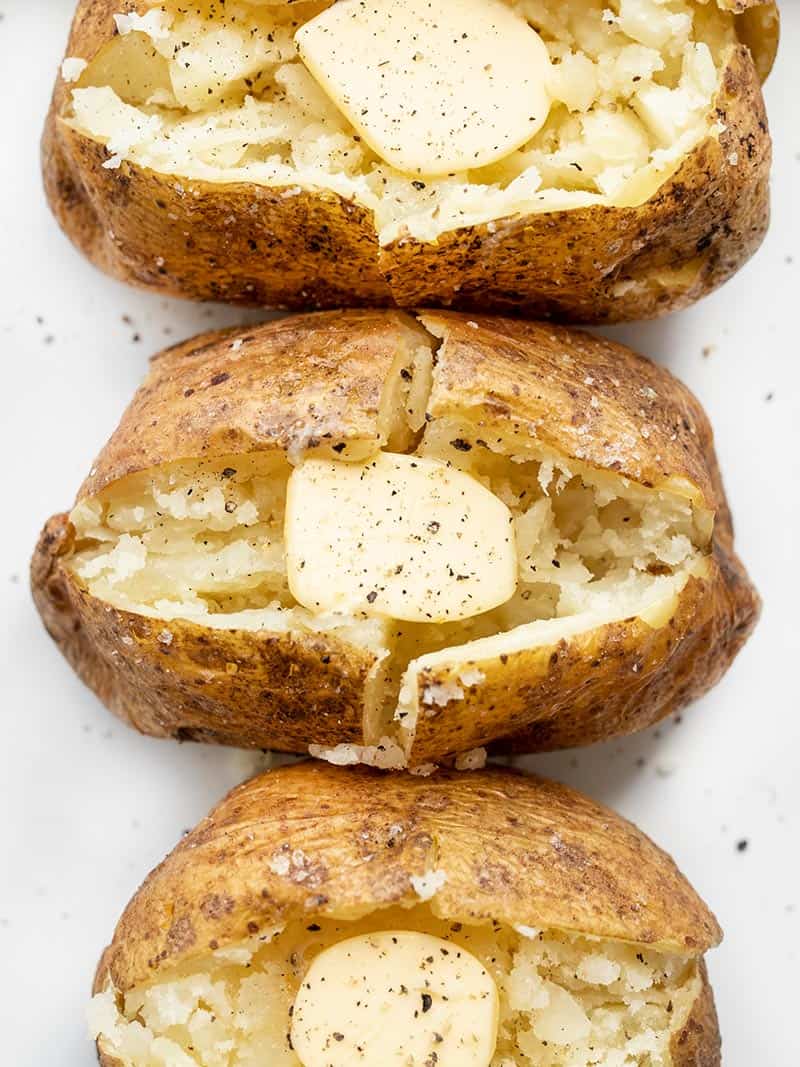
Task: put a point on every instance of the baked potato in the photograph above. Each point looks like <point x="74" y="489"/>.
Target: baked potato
<point x="327" y="917"/>
<point x="394" y="539"/>
<point x="582" y="160"/>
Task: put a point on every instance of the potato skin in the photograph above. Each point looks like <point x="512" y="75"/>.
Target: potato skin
<point x="575" y="394"/>
<point x="301" y="382"/>
<point x="315" y="381"/>
<point x="609" y="681"/>
<point x="298" y="250"/>
<point x="698" y="1043"/>
<point x="514" y="848"/>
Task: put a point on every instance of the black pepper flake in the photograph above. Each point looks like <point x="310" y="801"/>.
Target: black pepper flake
<point x="427" y="1002"/>
<point x="742" y="845"/>
<point x="218" y="379"/>
<point x="372" y="597"/>
<point x="461" y="445"/>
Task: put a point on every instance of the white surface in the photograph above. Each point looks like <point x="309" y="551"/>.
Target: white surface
<point x="88" y="807"/>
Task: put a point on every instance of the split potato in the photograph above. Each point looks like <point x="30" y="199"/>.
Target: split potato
<point x="393" y="539"/>
<point x="323" y="917"/>
<point x="589" y="160"/>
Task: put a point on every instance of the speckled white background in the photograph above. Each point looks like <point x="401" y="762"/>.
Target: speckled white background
<point x="87" y="807"/>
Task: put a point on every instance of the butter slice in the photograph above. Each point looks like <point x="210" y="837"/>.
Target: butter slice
<point x="395" y="997"/>
<point x="399" y="537"/>
<point x="433" y="86"/>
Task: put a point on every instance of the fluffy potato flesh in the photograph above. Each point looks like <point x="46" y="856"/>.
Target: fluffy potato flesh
<point x="221" y="92"/>
<point x="542" y="998"/>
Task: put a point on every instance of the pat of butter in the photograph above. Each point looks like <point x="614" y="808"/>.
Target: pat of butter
<point x="395" y="997"/>
<point x="433" y="86"/>
<point x="399" y="537"/>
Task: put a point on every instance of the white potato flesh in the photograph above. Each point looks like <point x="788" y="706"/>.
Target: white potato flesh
<point x="400" y="536"/>
<point x="433" y="87"/>
<point x="396" y="997"/>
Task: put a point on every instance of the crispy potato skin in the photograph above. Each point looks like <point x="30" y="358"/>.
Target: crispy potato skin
<point x="514" y="848"/>
<point x="286" y="692"/>
<point x="698" y="1043"/>
<point x="608" y="681"/>
<point x="304" y="382"/>
<point x="576" y="394"/>
<point x="316" y="381"/>
<point x="280" y="248"/>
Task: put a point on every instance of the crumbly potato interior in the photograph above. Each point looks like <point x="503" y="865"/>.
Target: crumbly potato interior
<point x="565" y="1000"/>
<point x="218" y="92"/>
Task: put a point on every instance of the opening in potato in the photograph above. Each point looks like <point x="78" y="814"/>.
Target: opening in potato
<point x="617" y="92"/>
<point x="541" y="998"/>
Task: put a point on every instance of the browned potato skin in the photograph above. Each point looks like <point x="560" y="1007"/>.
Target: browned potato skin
<point x="316" y="380"/>
<point x="515" y="848"/>
<point x="612" y="680"/>
<point x="203" y="241"/>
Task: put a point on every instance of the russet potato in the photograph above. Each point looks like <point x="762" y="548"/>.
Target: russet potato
<point x="192" y="149"/>
<point x="548" y="561"/>
<point x="325" y="916"/>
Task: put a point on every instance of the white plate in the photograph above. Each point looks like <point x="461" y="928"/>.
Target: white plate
<point x="88" y="807"/>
